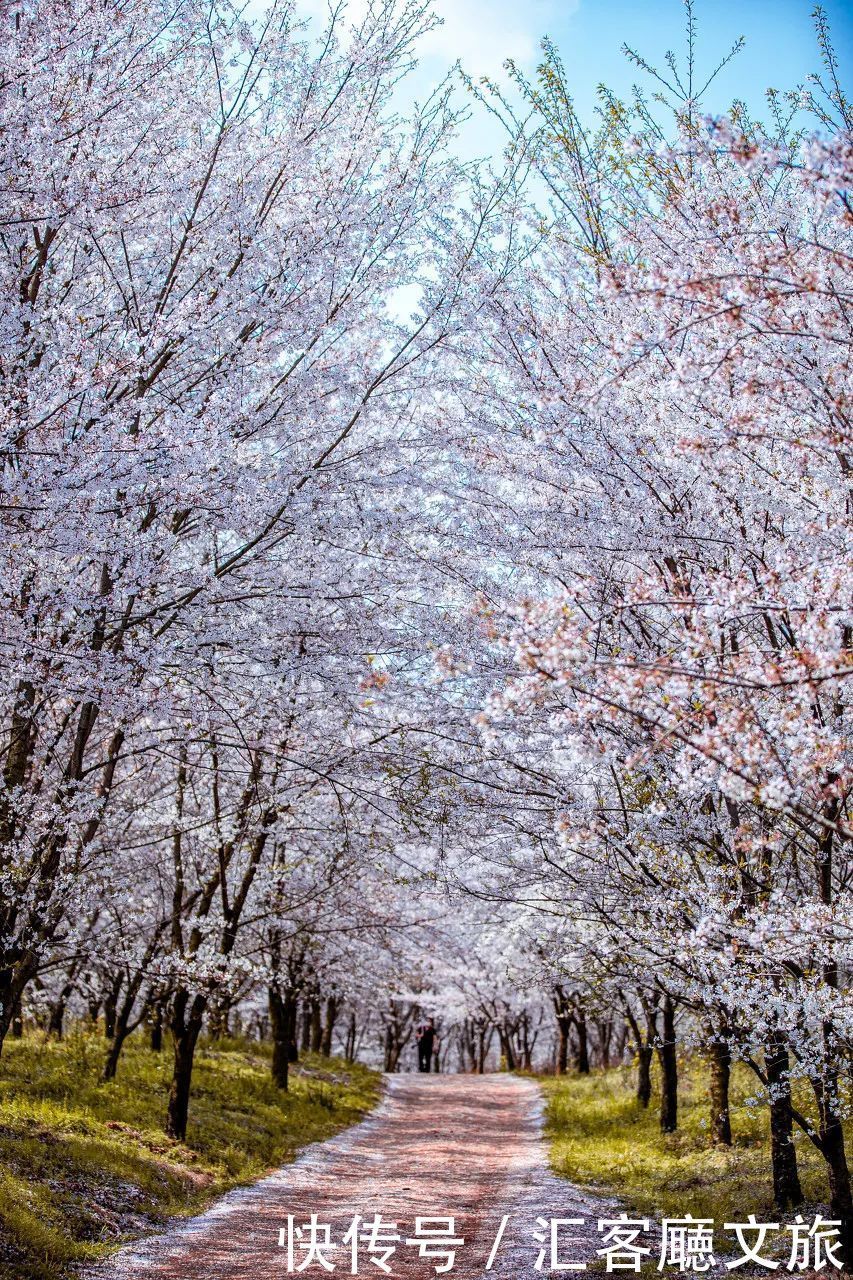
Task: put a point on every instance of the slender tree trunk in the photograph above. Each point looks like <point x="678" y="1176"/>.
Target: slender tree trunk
<point x="645" y="1052"/>
<point x="329" y="1026"/>
<point x="15" y="972"/>
<point x="10" y="995"/>
<point x="840" y="1197"/>
<point x="124" y="1023"/>
<point x="316" y="1026"/>
<point x="831" y="1136"/>
<point x="177" y="1113"/>
<point x="110" y="1005"/>
<point x="217" y="1020"/>
<point x="719" y="1062"/>
<point x="281" y="1015"/>
<point x="56" y="1018"/>
<point x="156" y="1028"/>
<point x="306" y="1025"/>
<point x="506" y="1045"/>
<point x="786" y="1179"/>
<point x="669" y="1070"/>
<point x="482" y="1050"/>
<point x="605" y="1035"/>
<point x="392" y="1049"/>
<point x="111" y="1065"/>
<point x="467" y="1048"/>
<point x="563" y="1028"/>
<point x="644" y="1074"/>
<point x="56" y="1021"/>
<point x="17" y="1027"/>
<point x="186" y="1028"/>
<point x="563" y="1013"/>
<point x="582" y="1046"/>
<point x="826" y="1088"/>
<point x="349" y="1050"/>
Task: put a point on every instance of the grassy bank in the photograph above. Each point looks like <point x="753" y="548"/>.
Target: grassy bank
<point x="84" y="1165"/>
<point x="601" y="1138"/>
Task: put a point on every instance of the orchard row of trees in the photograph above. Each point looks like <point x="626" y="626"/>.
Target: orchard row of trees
<point x="425" y="588"/>
<point x="487" y="999"/>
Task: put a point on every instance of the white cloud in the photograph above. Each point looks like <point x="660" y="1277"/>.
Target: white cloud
<point x="482" y="34"/>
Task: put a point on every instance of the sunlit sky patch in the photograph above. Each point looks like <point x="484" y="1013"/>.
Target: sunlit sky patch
<point x="780" y="47"/>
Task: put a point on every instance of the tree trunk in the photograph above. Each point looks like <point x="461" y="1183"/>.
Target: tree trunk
<point x="17" y="1028"/>
<point x="15" y="970"/>
<point x="316" y="1026"/>
<point x="582" y="1046"/>
<point x="563" y="1028"/>
<point x="786" y="1179"/>
<point x="720" y="1061"/>
<point x="124" y="1022"/>
<point x="13" y="982"/>
<point x="391" y="1052"/>
<point x="831" y="1136"/>
<point x="840" y="1195"/>
<point x="482" y="1049"/>
<point x="156" y="1028"/>
<point x="604" y="1028"/>
<point x="506" y="1045"/>
<point x="349" y="1050"/>
<point x="111" y="1064"/>
<point x="281" y="1018"/>
<point x="185" y="1032"/>
<point x="669" y="1070"/>
<point x="644" y="1074"/>
<point x="644" y="1046"/>
<point x="110" y="1003"/>
<point x="329" y="1026"/>
<point x="826" y="1087"/>
<point x="9" y="997"/>
<point x="56" y="1021"/>
<point x="56" y="1018"/>
<point x="217" y="1020"/>
<point x="306" y="1025"/>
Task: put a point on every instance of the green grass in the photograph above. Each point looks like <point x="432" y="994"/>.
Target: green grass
<point x="85" y="1165"/>
<point x="602" y="1139"/>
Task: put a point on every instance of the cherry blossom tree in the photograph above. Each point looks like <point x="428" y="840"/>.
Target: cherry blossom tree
<point x="675" y="377"/>
<point x="204" y="225"/>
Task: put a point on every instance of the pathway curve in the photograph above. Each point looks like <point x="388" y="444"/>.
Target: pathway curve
<point x="467" y="1146"/>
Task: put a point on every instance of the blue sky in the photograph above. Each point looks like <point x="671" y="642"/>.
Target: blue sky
<point x="780" y="47"/>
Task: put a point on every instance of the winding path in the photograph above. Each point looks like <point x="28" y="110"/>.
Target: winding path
<point x="467" y="1146"/>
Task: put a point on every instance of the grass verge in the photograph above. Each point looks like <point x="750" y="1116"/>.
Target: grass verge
<point x="85" y="1165"/>
<point x="602" y="1139"/>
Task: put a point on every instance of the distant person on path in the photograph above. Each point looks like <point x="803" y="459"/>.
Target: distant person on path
<point x="425" y="1036"/>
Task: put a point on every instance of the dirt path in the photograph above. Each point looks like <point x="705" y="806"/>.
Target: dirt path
<point x="465" y="1146"/>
